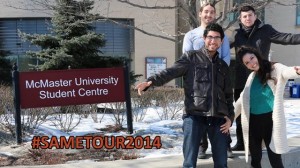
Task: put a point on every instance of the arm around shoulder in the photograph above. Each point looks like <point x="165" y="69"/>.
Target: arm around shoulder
<point x="187" y="44"/>
<point x="237" y="108"/>
<point x="226" y="50"/>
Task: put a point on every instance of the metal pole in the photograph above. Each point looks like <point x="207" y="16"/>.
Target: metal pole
<point x="15" y="76"/>
<point x="128" y="98"/>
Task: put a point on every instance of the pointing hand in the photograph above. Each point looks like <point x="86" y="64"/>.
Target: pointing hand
<point x="141" y="86"/>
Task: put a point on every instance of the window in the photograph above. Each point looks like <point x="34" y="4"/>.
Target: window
<point x="12" y="43"/>
<point x="298" y="13"/>
<point x="232" y="16"/>
<point x="9" y="33"/>
<point x="119" y="39"/>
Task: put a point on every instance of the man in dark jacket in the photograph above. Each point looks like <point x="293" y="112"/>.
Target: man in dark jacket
<point x="254" y="33"/>
<point x="208" y="97"/>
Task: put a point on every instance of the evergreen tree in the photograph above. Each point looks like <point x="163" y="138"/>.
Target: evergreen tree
<point x="5" y="66"/>
<point x="73" y="42"/>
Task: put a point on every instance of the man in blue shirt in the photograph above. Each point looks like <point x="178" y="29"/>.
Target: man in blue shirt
<point x="193" y="40"/>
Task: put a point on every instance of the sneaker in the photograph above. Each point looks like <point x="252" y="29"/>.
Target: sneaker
<point x="202" y="155"/>
<point x="229" y="153"/>
<point x="238" y="147"/>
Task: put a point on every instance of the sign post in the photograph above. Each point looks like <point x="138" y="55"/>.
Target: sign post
<point x="128" y="98"/>
<point x="15" y="76"/>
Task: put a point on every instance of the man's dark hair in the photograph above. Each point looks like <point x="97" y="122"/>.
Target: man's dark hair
<point x="214" y="27"/>
<point x="207" y="4"/>
<point x="247" y="8"/>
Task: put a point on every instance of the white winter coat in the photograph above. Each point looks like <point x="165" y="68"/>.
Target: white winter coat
<point x="279" y="142"/>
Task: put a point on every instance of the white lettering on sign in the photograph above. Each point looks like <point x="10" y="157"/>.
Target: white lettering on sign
<point x="47" y="83"/>
<point x="71" y="87"/>
<point x="65" y="83"/>
<point x="93" y="92"/>
<point x="57" y="94"/>
<point x="97" y="81"/>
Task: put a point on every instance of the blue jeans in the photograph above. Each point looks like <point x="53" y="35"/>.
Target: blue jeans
<point x="193" y="130"/>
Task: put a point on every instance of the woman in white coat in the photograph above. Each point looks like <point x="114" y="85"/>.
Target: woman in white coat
<point x="261" y="107"/>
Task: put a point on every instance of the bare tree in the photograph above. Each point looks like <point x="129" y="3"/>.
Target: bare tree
<point x="170" y="100"/>
<point x="187" y="11"/>
<point x="67" y="119"/>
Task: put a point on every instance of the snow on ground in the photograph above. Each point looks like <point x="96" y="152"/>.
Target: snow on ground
<point x="169" y="130"/>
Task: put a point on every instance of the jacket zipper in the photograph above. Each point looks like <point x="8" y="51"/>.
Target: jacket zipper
<point x="212" y="89"/>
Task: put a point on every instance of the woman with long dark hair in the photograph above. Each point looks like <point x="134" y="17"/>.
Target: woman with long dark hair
<point x="261" y="107"/>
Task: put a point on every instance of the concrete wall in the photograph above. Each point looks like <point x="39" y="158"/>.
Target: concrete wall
<point x="164" y="23"/>
<point x="22" y="9"/>
<point x="160" y="22"/>
<point x="283" y="19"/>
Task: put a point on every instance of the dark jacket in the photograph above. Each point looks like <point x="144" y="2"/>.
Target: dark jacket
<point x="261" y="37"/>
<point x="207" y="86"/>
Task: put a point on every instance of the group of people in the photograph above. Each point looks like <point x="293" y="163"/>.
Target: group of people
<point x="211" y="105"/>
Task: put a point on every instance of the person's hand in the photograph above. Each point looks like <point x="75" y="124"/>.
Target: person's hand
<point x="225" y="127"/>
<point x="297" y="68"/>
<point x="141" y="86"/>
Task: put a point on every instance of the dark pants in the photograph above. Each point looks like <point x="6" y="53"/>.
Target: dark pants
<point x="260" y="129"/>
<point x="239" y="131"/>
<point x="204" y="142"/>
<point x="194" y="128"/>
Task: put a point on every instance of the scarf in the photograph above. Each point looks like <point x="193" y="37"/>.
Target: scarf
<point x="247" y="30"/>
